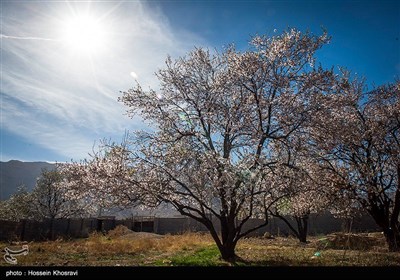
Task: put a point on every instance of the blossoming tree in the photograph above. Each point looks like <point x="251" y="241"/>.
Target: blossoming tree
<point x="357" y="140"/>
<point x="299" y="185"/>
<point x="214" y="119"/>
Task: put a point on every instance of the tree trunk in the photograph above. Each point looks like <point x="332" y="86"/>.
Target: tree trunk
<point x="392" y="239"/>
<point x="392" y="234"/>
<point x="302" y="226"/>
<point x="226" y="247"/>
<point x="389" y="225"/>
<point x="51" y="229"/>
<point x="228" y="244"/>
<point x="227" y="251"/>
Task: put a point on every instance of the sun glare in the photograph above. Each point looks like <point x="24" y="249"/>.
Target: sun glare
<point x="84" y="34"/>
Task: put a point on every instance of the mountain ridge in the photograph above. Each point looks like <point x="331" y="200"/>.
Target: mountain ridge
<point x="14" y="173"/>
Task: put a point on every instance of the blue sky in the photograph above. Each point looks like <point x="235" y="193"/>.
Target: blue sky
<point x="59" y="90"/>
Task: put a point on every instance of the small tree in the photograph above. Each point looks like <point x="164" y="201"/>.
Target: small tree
<point x="302" y="189"/>
<point x="50" y="200"/>
<point x="18" y="206"/>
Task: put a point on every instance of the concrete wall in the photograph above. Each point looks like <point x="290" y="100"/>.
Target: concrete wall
<point x="78" y="228"/>
<point x="42" y="230"/>
<point x="177" y="225"/>
<point x="318" y="224"/>
<point x="324" y="224"/>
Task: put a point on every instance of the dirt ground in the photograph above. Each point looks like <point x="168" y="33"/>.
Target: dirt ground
<point x="123" y="247"/>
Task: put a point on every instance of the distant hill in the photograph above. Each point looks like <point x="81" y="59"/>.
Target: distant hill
<point x="14" y="173"/>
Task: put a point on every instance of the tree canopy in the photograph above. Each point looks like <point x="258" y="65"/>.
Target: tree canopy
<point x="237" y="135"/>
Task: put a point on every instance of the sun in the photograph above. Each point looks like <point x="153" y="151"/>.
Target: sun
<point x="84" y="34"/>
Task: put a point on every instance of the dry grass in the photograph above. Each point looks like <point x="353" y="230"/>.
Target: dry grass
<point x="288" y="252"/>
<point x="351" y="241"/>
<point x="119" y="247"/>
<point x="122" y="247"/>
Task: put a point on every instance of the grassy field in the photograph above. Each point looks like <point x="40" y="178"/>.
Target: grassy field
<point x="122" y="247"/>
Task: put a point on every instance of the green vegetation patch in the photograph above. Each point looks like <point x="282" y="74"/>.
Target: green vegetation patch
<point x="207" y="256"/>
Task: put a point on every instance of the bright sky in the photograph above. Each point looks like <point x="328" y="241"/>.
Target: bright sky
<point x="63" y="64"/>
